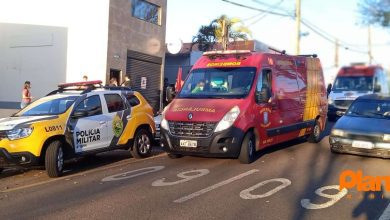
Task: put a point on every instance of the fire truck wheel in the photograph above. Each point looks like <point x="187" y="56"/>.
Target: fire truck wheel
<point x="174" y="156"/>
<point x="247" y="153"/>
<point x="316" y="133"/>
<point x="142" y="146"/>
<point x="54" y="159"/>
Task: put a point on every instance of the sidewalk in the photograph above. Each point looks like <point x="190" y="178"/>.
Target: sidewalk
<point x="7" y="112"/>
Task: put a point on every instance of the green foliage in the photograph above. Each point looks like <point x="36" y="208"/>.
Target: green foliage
<point x="222" y="30"/>
<point x="375" y="12"/>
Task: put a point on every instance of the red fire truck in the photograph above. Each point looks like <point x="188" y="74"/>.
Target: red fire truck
<point x="234" y="103"/>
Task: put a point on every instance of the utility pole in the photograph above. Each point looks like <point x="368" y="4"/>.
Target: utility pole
<point x="336" y="53"/>
<point x="298" y="23"/>
<point x="369" y="45"/>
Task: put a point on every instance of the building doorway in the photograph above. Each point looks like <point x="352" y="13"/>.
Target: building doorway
<point x="117" y="74"/>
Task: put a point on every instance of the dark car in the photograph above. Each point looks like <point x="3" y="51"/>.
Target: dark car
<point x="365" y="128"/>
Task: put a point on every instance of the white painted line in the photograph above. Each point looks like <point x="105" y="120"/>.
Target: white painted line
<point x="215" y="186"/>
<point x="386" y="214"/>
<point x="185" y="177"/>
<point x="333" y="198"/>
<point x="246" y="193"/>
<point x="81" y="173"/>
<point x="125" y="175"/>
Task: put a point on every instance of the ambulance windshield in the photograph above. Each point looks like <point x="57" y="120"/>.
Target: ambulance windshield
<point x="353" y="83"/>
<point x="47" y="106"/>
<point x="218" y="83"/>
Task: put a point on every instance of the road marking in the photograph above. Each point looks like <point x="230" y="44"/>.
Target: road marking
<point x="246" y="194"/>
<point x="333" y="198"/>
<point x="122" y="176"/>
<point x="215" y="186"/>
<point x="185" y="177"/>
<point x="80" y="174"/>
<point x="386" y="214"/>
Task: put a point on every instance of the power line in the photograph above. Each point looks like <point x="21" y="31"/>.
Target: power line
<point x="328" y="37"/>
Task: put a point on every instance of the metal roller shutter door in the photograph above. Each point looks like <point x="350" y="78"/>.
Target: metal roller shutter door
<point x="137" y="69"/>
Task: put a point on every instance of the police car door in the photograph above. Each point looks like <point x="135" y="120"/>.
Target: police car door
<point x="90" y="125"/>
<point x="117" y="116"/>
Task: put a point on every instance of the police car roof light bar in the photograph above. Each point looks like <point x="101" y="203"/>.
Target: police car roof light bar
<point x="84" y="83"/>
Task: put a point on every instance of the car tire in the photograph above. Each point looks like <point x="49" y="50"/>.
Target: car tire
<point x="315" y="135"/>
<point x="142" y="146"/>
<point x="248" y="149"/>
<point x="54" y="159"/>
<point x="174" y="156"/>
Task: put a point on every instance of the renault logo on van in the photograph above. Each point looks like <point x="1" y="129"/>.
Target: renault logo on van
<point x="190" y="116"/>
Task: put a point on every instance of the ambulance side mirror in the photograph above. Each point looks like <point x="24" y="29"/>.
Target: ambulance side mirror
<point x="170" y="93"/>
<point x="377" y="88"/>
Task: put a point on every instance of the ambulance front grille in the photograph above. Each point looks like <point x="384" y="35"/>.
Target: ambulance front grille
<point x="343" y="103"/>
<point x="191" y="129"/>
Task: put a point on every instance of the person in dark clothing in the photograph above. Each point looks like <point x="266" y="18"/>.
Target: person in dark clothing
<point x="328" y="90"/>
<point x="127" y="82"/>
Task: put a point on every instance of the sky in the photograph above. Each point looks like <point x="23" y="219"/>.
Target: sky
<point x="336" y="18"/>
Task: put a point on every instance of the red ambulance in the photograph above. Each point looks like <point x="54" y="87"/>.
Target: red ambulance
<point x="234" y="103"/>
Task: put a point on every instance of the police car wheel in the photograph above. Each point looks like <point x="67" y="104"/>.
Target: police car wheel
<point x="142" y="146"/>
<point x="54" y="159"/>
<point x="248" y="149"/>
<point x="315" y="134"/>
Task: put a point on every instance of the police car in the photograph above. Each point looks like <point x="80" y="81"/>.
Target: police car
<point x="77" y="119"/>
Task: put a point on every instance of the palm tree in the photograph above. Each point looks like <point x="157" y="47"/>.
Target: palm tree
<point x="223" y="30"/>
<point x="227" y="29"/>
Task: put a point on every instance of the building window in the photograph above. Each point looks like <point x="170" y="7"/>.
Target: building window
<point x="146" y="11"/>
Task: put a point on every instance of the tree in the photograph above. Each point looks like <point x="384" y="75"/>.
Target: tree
<point x="375" y="12"/>
<point x="222" y="30"/>
<point x="205" y="38"/>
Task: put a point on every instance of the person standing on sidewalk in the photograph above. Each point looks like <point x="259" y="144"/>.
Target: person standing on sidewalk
<point x="26" y="95"/>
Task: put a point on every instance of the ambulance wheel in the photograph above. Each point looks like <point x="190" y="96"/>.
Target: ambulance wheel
<point x="247" y="153"/>
<point x="315" y="135"/>
<point x="142" y="146"/>
<point x="174" y="156"/>
<point x="54" y="159"/>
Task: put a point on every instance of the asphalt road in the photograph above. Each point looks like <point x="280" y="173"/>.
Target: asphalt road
<point x="280" y="184"/>
<point x="294" y="180"/>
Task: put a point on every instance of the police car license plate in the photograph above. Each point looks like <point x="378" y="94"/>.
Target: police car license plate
<point x="362" y="144"/>
<point x="188" y="143"/>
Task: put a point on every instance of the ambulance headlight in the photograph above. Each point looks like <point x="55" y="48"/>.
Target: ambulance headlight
<point x="228" y="120"/>
<point x="164" y="122"/>
<point x="19" y="133"/>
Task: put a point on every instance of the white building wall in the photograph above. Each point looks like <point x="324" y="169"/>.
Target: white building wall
<point x="86" y="22"/>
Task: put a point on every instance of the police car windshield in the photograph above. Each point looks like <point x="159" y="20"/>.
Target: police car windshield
<point x="370" y="108"/>
<point x="353" y="83"/>
<point x="218" y="83"/>
<point x="48" y="107"/>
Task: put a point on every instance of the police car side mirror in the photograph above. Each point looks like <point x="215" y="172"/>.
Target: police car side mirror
<point x="377" y="88"/>
<point x="79" y="114"/>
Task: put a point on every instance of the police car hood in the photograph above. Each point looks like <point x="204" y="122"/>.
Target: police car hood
<point x="347" y="95"/>
<point x="210" y="110"/>
<point x="13" y="122"/>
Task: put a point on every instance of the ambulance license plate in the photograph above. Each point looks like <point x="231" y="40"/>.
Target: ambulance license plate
<point x="362" y="144"/>
<point x="188" y="143"/>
